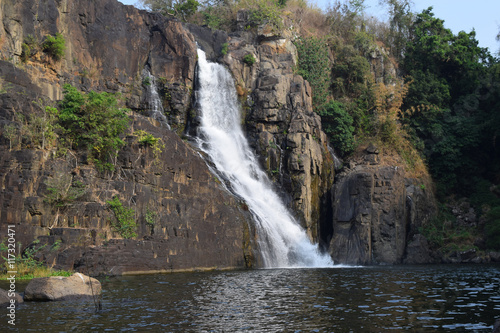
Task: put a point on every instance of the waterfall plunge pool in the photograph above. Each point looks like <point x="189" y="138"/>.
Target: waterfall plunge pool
<point x="433" y="298"/>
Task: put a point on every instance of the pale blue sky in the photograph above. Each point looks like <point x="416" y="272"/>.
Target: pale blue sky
<point x="482" y="15"/>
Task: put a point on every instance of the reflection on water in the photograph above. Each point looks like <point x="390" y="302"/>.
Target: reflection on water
<point x="365" y="299"/>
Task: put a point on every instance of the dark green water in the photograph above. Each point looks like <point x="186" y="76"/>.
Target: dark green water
<point x="363" y="299"/>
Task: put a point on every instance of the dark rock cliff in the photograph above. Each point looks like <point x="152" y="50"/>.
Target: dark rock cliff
<point x="186" y="220"/>
<point x="377" y="210"/>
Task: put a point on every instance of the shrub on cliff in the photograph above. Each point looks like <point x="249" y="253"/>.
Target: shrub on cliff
<point x="314" y="66"/>
<point x="337" y="124"/>
<point x="94" y="121"/>
<point x="125" y="218"/>
<point x="54" y="46"/>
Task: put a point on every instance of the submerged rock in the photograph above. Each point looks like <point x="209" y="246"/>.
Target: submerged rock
<point x="5" y="298"/>
<point x="57" y="288"/>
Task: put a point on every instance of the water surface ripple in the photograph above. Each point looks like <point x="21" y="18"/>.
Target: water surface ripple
<point x="363" y="299"/>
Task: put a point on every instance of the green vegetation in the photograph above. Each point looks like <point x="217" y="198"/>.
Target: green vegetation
<point x="29" y="48"/>
<point x="337" y="124"/>
<point x="249" y="59"/>
<point x="314" y="66"/>
<point x="62" y="190"/>
<point x="27" y="265"/>
<point x="182" y="9"/>
<point x="125" y="218"/>
<point x="54" y="46"/>
<point x="446" y="235"/>
<point x="150" y="140"/>
<point x="93" y="121"/>
<point x="224" y="48"/>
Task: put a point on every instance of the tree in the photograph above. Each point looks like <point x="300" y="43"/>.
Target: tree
<point x="337" y="124"/>
<point x="401" y="19"/>
<point x="314" y="66"/>
<point x="182" y="9"/>
<point x="94" y="121"/>
<point x="444" y="110"/>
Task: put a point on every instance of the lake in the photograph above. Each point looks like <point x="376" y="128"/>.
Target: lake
<point x="433" y="298"/>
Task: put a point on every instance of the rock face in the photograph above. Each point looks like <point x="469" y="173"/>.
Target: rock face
<point x="108" y="45"/>
<point x="58" y="288"/>
<point x="5" y="299"/>
<point x="377" y="211"/>
<point x="280" y="123"/>
<point x="186" y="219"/>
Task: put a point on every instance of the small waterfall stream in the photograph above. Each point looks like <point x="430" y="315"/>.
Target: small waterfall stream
<point x="282" y="242"/>
<point x="153" y="99"/>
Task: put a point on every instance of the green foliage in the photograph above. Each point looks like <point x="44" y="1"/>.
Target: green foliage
<point x="125" y="219"/>
<point x="54" y="46"/>
<point x="350" y="72"/>
<point x="249" y="59"/>
<point x="29" y="48"/>
<point x="11" y="132"/>
<point x="337" y="124"/>
<point x="266" y="12"/>
<point x="400" y="22"/>
<point x="179" y="8"/>
<point x="38" y="130"/>
<point x="314" y="66"/>
<point x="94" y="121"/>
<point x="151" y="217"/>
<point x="224" y="48"/>
<point x="446" y="111"/>
<point x="446" y="235"/>
<point x="27" y="264"/>
<point x="62" y="190"/>
<point x="150" y="140"/>
<point x="186" y="8"/>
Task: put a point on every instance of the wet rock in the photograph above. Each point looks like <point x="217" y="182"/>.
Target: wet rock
<point x="494" y="256"/>
<point x="57" y="288"/>
<point x="418" y="251"/>
<point x="377" y="212"/>
<point x="7" y="297"/>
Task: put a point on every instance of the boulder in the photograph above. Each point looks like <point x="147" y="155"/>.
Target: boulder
<point x="56" y="288"/>
<point x="5" y="298"/>
<point x="377" y="211"/>
<point x="418" y="251"/>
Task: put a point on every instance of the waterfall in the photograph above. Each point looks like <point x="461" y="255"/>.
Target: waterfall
<point x="282" y="242"/>
<point x="153" y="98"/>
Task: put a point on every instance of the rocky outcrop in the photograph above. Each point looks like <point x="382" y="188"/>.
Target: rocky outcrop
<point x="189" y="220"/>
<point x="58" y="288"/>
<point x="108" y="45"/>
<point x="377" y="211"/>
<point x="186" y="219"/>
<point x="280" y="123"/>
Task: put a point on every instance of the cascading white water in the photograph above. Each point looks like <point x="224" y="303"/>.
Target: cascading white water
<point x="283" y="243"/>
<point x="154" y="101"/>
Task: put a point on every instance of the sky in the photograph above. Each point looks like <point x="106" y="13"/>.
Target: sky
<point x="481" y="15"/>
